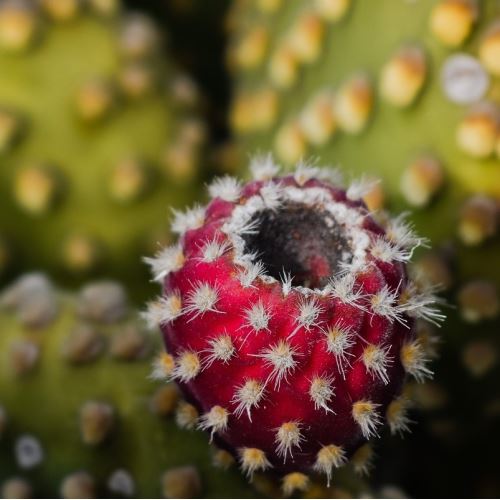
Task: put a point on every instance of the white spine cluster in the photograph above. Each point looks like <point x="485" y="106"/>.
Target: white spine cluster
<point x="164" y="310"/>
<point x="168" y="260"/>
<point x="366" y="416"/>
<point x="214" y="249"/>
<point x="257" y="317"/>
<point x="190" y="219"/>
<point x="221" y="349"/>
<point x="280" y="357"/>
<point x="227" y="188"/>
<point x="263" y="167"/>
<point x="202" y="298"/>
<point x="248" y="396"/>
<point x="288" y="436"/>
<point x="321" y="392"/>
<point x="376" y="360"/>
<point x="339" y="339"/>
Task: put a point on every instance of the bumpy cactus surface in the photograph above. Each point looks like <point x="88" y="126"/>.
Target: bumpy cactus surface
<point x="409" y="93"/>
<point x="289" y="319"/>
<point x="97" y="133"/>
<point x="79" y="415"/>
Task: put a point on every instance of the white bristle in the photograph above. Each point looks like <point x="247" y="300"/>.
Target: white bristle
<point x="401" y="233"/>
<point x="321" y="392"/>
<point x="257" y="317"/>
<point x="221" y="349"/>
<point x="163" y="310"/>
<point x="305" y="172"/>
<point x="253" y="460"/>
<point x="414" y="361"/>
<point x="168" y="260"/>
<point x="423" y="305"/>
<point x="281" y="359"/>
<point x="215" y="420"/>
<point x="250" y="273"/>
<point x="190" y="219"/>
<point x="384" y="303"/>
<point x="248" y="396"/>
<point x="343" y="288"/>
<point x="271" y="193"/>
<point x="376" y="360"/>
<point x="201" y="299"/>
<point x="339" y="339"/>
<point x="328" y="458"/>
<point x="389" y="252"/>
<point x="309" y="312"/>
<point x="360" y="188"/>
<point x="227" y="188"/>
<point x="187" y="366"/>
<point x="288" y="437"/>
<point x="366" y="416"/>
<point x="263" y="167"/>
<point x="214" y="249"/>
<point x="286" y="282"/>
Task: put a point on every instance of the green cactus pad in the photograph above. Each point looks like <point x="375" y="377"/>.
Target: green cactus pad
<point x="98" y="134"/>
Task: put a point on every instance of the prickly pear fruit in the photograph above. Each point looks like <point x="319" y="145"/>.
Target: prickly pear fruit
<point x="289" y="319"/>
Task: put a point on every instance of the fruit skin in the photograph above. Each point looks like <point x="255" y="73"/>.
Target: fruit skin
<point x="102" y="143"/>
<point x="457" y="133"/>
<point x="293" y="353"/>
<point x="62" y="398"/>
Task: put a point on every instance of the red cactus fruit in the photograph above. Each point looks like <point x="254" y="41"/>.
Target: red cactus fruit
<point x="289" y="317"/>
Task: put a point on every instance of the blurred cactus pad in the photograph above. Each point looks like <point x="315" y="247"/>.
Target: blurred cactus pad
<point x="99" y="135"/>
<point x="408" y="93"/>
<point x="79" y="415"/>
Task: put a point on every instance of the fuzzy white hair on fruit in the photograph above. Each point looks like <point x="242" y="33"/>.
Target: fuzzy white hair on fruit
<point x="401" y="233"/>
<point x="163" y="367"/>
<point x="385" y="303"/>
<point x="166" y="261"/>
<point x="333" y="175"/>
<point x="192" y="218"/>
<point x="339" y="339"/>
<point x="263" y="167"/>
<point x="271" y="194"/>
<point x="377" y="360"/>
<point x="321" y="391"/>
<point x="248" y="396"/>
<point x="221" y="349"/>
<point x="309" y="312"/>
<point x="187" y="366"/>
<point x="253" y="460"/>
<point x="414" y="360"/>
<point x="250" y="273"/>
<point x="366" y="416"/>
<point x="214" y="249"/>
<point x="288" y="437"/>
<point x="328" y="458"/>
<point x="286" y="282"/>
<point x="305" y="172"/>
<point x="257" y="317"/>
<point x="227" y="188"/>
<point x="215" y="420"/>
<point x="422" y="304"/>
<point x="397" y="416"/>
<point x="202" y="298"/>
<point x="389" y="252"/>
<point x="280" y="357"/>
<point x="344" y="288"/>
<point x="163" y="310"/>
<point x="360" y="188"/>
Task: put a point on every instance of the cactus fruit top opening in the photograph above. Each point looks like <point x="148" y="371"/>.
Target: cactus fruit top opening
<point x="305" y="242"/>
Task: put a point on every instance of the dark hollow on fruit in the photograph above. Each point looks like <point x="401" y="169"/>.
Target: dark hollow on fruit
<point x="304" y="241"/>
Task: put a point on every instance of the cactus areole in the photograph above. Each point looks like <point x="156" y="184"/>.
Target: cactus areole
<point x="289" y="317"/>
